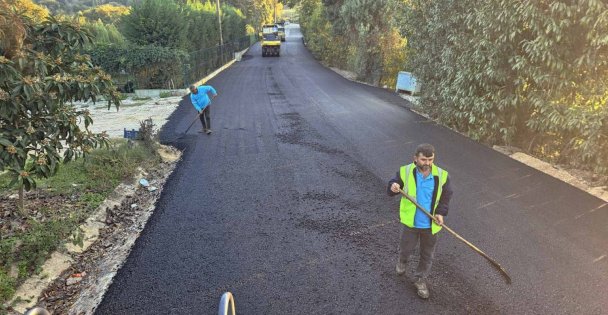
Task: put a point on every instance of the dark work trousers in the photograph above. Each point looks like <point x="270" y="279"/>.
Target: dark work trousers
<point x="410" y="237"/>
<point x="205" y="117"/>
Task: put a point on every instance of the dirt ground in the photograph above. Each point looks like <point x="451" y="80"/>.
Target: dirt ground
<point x="123" y="223"/>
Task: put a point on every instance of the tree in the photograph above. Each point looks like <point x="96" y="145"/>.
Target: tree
<point x="156" y="22"/>
<point x="258" y="12"/>
<point x="527" y="73"/>
<point x="39" y="78"/>
<point x="368" y="22"/>
<point x="31" y="10"/>
<point x="107" y="13"/>
<point x="356" y="35"/>
<point x="12" y="30"/>
<point x="74" y="6"/>
<point x="105" y="34"/>
<point x="233" y="23"/>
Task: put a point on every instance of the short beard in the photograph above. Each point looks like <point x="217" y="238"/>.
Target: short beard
<point x="423" y="168"/>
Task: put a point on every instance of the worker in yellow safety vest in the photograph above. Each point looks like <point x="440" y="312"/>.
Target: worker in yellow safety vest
<point x="430" y="186"/>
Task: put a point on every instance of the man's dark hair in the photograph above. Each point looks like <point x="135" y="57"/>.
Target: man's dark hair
<point x="426" y="150"/>
<point x="192" y="87"/>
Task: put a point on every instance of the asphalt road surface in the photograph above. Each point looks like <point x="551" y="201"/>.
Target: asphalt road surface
<point x="285" y="206"/>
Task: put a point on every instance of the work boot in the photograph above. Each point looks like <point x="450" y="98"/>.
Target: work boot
<point x="400" y="268"/>
<point x="208" y="131"/>
<point x="423" y="290"/>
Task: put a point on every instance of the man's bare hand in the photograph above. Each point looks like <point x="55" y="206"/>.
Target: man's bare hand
<point x="439" y="219"/>
<point x="395" y="187"/>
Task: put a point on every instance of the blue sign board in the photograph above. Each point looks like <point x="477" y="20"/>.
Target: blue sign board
<point x="406" y="82"/>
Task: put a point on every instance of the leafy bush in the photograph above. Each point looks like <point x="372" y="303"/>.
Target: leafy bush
<point x="152" y="66"/>
<point x="39" y="78"/>
<point x="147" y="132"/>
<point x="156" y="22"/>
<point x="356" y="35"/>
<point x="7" y="286"/>
<point x="106" y="34"/>
<point x="106" y="13"/>
<point x="529" y="74"/>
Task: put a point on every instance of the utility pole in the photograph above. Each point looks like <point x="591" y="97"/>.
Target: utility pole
<point x="219" y="21"/>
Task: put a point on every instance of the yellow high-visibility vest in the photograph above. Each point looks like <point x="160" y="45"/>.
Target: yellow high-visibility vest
<point x="407" y="209"/>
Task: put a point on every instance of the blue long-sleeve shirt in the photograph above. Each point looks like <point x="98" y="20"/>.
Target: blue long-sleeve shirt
<point x="201" y="99"/>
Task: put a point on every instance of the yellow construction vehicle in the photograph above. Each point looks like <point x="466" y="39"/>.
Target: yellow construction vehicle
<point x="281" y="26"/>
<point x="271" y="42"/>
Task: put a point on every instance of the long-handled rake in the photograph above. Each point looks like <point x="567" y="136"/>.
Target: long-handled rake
<point x="496" y="265"/>
<point x="180" y="136"/>
<point x="191" y="124"/>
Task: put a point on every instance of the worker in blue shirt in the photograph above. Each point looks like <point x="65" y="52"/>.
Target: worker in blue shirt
<point x="201" y="102"/>
<point x="430" y="186"/>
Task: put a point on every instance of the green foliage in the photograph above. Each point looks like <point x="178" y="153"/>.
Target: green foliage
<point x="92" y="199"/>
<point x="31" y="10"/>
<point x="28" y="250"/>
<point x="204" y="28"/>
<point x="92" y="182"/>
<point x="156" y="22"/>
<point x="103" y="170"/>
<point x="105" y="34"/>
<point x="39" y="242"/>
<point x="335" y="50"/>
<point x="37" y="84"/>
<point x="202" y="25"/>
<point x="233" y="23"/>
<point x="7" y="285"/>
<point x="147" y="133"/>
<point x="119" y="163"/>
<point x="258" y="12"/>
<point x="152" y="66"/>
<point x="356" y="35"/>
<point x="204" y="54"/>
<point x="73" y="6"/>
<point x="530" y="74"/>
<point x="106" y="13"/>
<point x="157" y="59"/>
<point x="366" y="23"/>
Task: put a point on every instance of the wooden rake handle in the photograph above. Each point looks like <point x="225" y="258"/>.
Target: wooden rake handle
<point x="479" y="251"/>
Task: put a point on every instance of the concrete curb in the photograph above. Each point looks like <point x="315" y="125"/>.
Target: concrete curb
<point x="113" y="259"/>
<point x="560" y="174"/>
<point x="222" y="68"/>
<point x="29" y="292"/>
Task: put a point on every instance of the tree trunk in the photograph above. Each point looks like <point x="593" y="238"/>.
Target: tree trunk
<point x="21" y="203"/>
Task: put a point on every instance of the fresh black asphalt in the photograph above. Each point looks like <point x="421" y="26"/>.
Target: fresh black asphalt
<point x="285" y="206"/>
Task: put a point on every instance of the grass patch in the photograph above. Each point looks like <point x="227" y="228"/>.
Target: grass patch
<point x="145" y="98"/>
<point x="165" y="94"/>
<point x="5" y="180"/>
<point x="59" y="205"/>
<point x="7" y="286"/>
